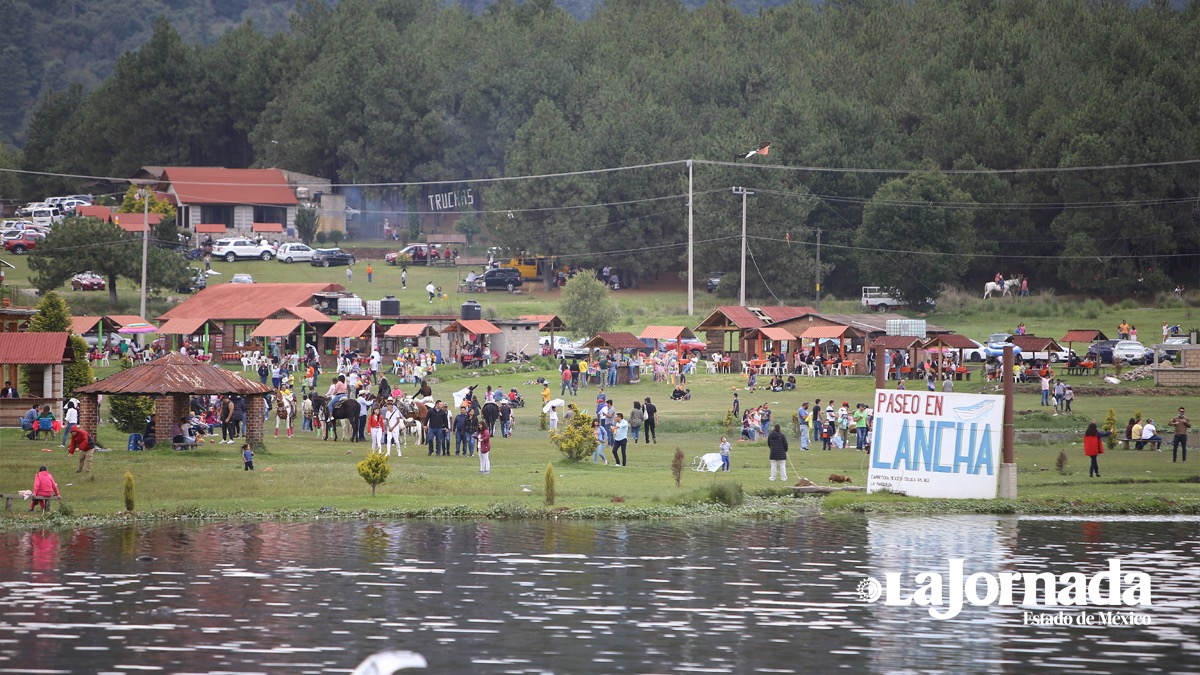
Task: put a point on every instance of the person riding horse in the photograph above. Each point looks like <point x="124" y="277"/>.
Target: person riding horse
<point x="329" y="413"/>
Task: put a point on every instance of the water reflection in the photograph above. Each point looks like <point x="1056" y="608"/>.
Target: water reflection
<point x="572" y="597"/>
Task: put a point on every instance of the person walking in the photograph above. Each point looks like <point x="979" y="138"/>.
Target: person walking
<point x="404" y="277"/>
<point x="651" y="423"/>
<point x="1181" y="424"/>
<point x="860" y="426"/>
<point x="485" y="449"/>
<point x="431" y="290"/>
<point x="505" y="420"/>
<point x="1093" y="447"/>
<point x="44" y="488"/>
<point x="70" y="419"/>
<point x="778" y="445"/>
<point x="1060" y="391"/>
<point x="1068" y="396"/>
<point x="1045" y="379"/>
<point x="637" y="417"/>
<point x="598" y="454"/>
<point x="724" y="450"/>
<point x="370" y="272"/>
<point x="391" y="428"/>
<point x="620" y="439"/>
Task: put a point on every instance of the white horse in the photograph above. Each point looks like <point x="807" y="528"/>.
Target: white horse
<point x="285" y="411"/>
<point x="993" y="287"/>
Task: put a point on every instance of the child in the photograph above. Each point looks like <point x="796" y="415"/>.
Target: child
<point x="725" y="448"/>
<point x="553" y="418"/>
<point x="827" y="431"/>
<point x="247" y="457"/>
<point x="598" y="432"/>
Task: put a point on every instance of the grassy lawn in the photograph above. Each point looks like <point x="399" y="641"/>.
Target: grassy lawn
<point x="303" y="474"/>
<point x="306" y="473"/>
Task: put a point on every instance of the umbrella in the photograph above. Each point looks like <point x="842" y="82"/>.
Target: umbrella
<point x="138" y="327"/>
<point x="554" y="403"/>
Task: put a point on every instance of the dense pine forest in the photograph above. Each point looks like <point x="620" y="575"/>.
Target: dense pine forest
<point x="1048" y="138"/>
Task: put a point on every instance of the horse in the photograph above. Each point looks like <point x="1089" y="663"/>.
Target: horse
<point x="415" y="409"/>
<point x="346" y="409"/>
<point x="993" y="287"/>
<point x="285" y="410"/>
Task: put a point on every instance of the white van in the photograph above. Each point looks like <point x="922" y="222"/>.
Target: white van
<point x="45" y="217"/>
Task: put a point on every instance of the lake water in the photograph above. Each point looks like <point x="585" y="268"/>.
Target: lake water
<point x="580" y="597"/>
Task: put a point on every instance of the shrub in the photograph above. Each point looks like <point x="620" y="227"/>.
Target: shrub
<point x="322" y="237"/>
<point x="549" y="482"/>
<point x="677" y="466"/>
<point x="1110" y="425"/>
<point x="575" y="441"/>
<point x="544" y="421"/>
<point x="728" y="493"/>
<point x="730" y="422"/>
<point x="129" y="500"/>
<point x="336" y="236"/>
<point x="375" y="470"/>
<point x="403" y="259"/>
<point x="544" y="363"/>
<point x="796" y="424"/>
<point x="130" y="412"/>
<point x="1060" y="464"/>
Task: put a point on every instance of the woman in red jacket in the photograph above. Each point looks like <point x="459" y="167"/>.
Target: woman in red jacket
<point x="44" y="487"/>
<point x="1093" y="447"/>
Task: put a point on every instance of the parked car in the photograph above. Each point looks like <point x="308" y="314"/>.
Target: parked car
<point x="1132" y="352"/>
<point x="714" y="280"/>
<point x="501" y="278"/>
<point x="1101" y="351"/>
<point x="977" y="354"/>
<point x="691" y="345"/>
<point x="241" y="279"/>
<point x="46" y="217"/>
<point x="27" y="241"/>
<point x="325" y="257"/>
<point x="563" y="347"/>
<point x="88" y="281"/>
<point x="290" y="253"/>
<point x="1173" y="354"/>
<point x="232" y="249"/>
<point x="416" y="252"/>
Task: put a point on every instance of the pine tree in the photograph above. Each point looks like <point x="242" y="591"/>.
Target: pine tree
<point x="375" y="470"/>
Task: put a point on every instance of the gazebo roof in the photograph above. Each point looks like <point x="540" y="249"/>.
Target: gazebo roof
<point x="547" y="322"/>
<point x="950" y="340"/>
<point x="667" y="332"/>
<point x="614" y="341"/>
<point x="175" y="374"/>
<point x="411" y="330"/>
<point x="1032" y="343"/>
<point x="1077" y="335"/>
<point x="35" y="349"/>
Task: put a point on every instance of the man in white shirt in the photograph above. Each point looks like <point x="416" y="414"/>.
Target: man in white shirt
<point x="391" y="427"/>
<point x="1150" y="435"/>
<point x="432" y="291"/>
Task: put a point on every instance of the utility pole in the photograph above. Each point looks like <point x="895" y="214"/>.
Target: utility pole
<point x="818" y="269"/>
<point x="145" y="195"/>
<point x="742" y="292"/>
<point x="691" y="281"/>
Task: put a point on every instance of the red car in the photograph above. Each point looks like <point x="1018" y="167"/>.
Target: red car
<point x="22" y="244"/>
<point x="87" y="281"/>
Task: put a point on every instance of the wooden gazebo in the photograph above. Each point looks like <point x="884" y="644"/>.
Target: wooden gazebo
<point x="614" y="341"/>
<point x="172" y="380"/>
<point x="1086" y="336"/>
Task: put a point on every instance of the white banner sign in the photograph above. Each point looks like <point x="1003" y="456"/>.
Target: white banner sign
<point x="929" y="444"/>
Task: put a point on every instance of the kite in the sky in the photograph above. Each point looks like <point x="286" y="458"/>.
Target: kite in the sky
<point x="762" y="150"/>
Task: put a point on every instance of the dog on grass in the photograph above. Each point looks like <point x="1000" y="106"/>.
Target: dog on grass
<point x="838" y="478"/>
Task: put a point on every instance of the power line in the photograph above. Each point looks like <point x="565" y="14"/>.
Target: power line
<point x="1024" y="256"/>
